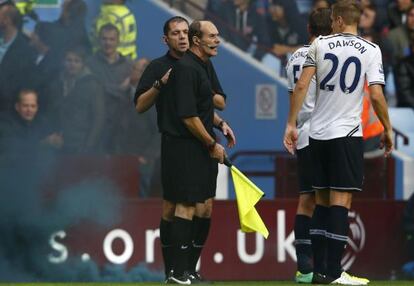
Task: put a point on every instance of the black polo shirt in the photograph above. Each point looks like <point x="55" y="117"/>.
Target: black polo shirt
<point x="215" y="83"/>
<point x="191" y="95"/>
<point x="167" y="118"/>
<point x="155" y="71"/>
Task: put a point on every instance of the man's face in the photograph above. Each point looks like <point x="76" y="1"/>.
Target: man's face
<point x="277" y="12"/>
<point x="209" y="41"/>
<point x="109" y="40"/>
<point x="410" y="19"/>
<point x="73" y="64"/>
<point x="367" y="19"/>
<point x="403" y="5"/>
<point x="3" y="17"/>
<point x="27" y="106"/>
<point x="177" y="37"/>
<point x="320" y="4"/>
<point x="239" y="3"/>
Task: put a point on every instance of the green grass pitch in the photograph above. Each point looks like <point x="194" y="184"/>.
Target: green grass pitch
<point x="235" y="283"/>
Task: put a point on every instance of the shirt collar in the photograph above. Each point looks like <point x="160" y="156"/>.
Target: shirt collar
<point x="168" y="55"/>
<point x="197" y="58"/>
<point x="348" y="34"/>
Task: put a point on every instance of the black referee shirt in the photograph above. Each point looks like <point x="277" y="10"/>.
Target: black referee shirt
<point x="155" y="71"/>
<point x="167" y="117"/>
<point x="192" y="94"/>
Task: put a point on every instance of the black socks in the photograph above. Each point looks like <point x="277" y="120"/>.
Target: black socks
<point x="201" y="227"/>
<point x="319" y="225"/>
<point x="181" y="238"/>
<point x="166" y="245"/>
<point x="303" y="244"/>
<point x="337" y="237"/>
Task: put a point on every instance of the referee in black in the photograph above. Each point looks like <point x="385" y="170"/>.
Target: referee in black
<point x="152" y="89"/>
<point x="189" y="150"/>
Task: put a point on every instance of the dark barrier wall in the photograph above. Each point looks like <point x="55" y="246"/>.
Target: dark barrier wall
<point x="232" y="255"/>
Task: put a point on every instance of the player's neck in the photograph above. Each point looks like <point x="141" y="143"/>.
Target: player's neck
<point x="348" y="29"/>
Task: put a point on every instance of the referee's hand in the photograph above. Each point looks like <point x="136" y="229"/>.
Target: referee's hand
<point x="229" y="134"/>
<point x="165" y="77"/>
<point x="291" y="138"/>
<point x="218" y="153"/>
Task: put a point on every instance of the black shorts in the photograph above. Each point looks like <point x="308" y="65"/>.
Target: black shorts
<point x="338" y="164"/>
<point x="188" y="173"/>
<point x="305" y="168"/>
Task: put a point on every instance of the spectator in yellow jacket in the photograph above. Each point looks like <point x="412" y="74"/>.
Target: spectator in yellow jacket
<point x="118" y="14"/>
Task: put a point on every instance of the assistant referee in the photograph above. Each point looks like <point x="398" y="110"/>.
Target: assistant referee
<point x="189" y="150"/>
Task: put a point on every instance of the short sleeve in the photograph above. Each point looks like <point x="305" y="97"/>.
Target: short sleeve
<point x="215" y="83"/>
<point x="311" y="58"/>
<point x="147" y="80"/>
<point x="185" y="86"/>
<point x="375" y="71"/>
<point x="290" y="77"/>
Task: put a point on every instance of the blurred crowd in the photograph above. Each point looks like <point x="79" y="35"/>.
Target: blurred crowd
<point x="69" y="91"/>
<point x="271" y="30"/>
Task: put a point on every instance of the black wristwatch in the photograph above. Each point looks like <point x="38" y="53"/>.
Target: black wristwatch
<point x="157" y="84"/>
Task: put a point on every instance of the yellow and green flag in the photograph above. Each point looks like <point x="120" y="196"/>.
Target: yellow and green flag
<point x="247" y="195"/>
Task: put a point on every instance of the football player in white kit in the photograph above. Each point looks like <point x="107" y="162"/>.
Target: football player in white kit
<point x="319" y="23"/>
<point x="341" y="62"/>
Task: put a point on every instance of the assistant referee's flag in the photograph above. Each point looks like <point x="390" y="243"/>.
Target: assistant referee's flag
<point x="247" y="195"/>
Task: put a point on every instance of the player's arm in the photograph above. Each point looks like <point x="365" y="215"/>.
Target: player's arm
<point x="375" y="78"/>
<point x="380" y="107"/>
<point x="196" y="127"/>
<point x="296" y="101"/>
<point x="299" y="93"/>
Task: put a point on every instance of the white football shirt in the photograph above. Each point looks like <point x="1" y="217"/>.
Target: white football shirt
<point x="294" y="70"/>
<point x="343" y="62"/>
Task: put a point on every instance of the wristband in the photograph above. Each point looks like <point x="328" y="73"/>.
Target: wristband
<point x="211" y="146"/>
<point x="157" y="84"/>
